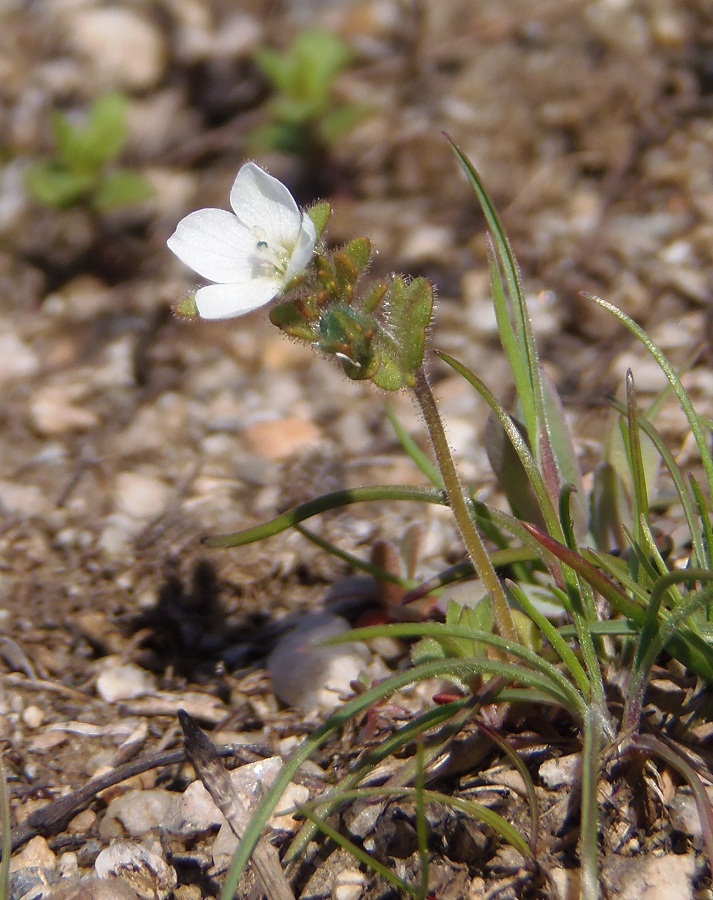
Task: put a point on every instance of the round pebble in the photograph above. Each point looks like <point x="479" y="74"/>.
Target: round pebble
<point x="140" y="496"/>
<point x="123" y="47"/>
<point x="312" y="677"/>
<point x="123" y="682"/>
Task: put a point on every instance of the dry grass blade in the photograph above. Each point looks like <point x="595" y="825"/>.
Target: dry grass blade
<point x="204" y="758"/>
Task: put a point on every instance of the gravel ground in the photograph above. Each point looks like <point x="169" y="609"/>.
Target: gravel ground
<point x="128" y="435"/>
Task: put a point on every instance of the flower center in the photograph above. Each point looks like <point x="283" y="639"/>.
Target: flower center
<point x="269" y="259"/>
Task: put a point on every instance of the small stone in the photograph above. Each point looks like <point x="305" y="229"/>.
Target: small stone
<point x="278" y="439"/>
<point x="138" y="812"/>
<point x="17" y="360"/>
<point x="119" y="531"/>
<point x="311" y="677"/>
<point x="68" y="865"/>
<point x="22" y="499"/>
<point x="82" y="299"/>
<point x="348" y="885"/>
<point x="33" y="716"/>
<point x="123" y="682"/>
<point x="194" y="812"/>
<point x="428" y="243"/>
<point x="250" y="782"/>
<point x="144" y="870"/>
<point x="124" y="48"/>
<point x="36" y="854"/>
<point x="91" y="889"/>
<point x="82" y="822"/>
<point x="52" y="410"/>
<point x="556" y="773"/>
<point x="685" y="816"/>
<point x="140" y="496"/>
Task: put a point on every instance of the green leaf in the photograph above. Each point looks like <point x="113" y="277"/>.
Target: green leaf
<point x="340" y="120"/>
<point x="86" y="148"/>
<point x="121" y="188"/>
<point x="106" y="127"/>
<point x="510" y="472"/>
<point x="320" y="55"/>
<point x="277" y="67"/>
<point x="401" y="344"/>
<point x="290" y="320"/>
<point x="564" y="453"/>
<point x="56" y="187"/>
<point x="319" y="213"/>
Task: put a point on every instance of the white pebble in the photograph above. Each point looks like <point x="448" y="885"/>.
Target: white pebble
<point x="33" y="716"/>
<point x="140" y="811"/>
<point x="124" y="48"/>
<point x="123" y="682"/>
<point x="349" y="885"/>
<point x="140" y="496"/>
<point x="17" y="360"/>
<point x="146" y="871"/>
<point x="311" y="677"/>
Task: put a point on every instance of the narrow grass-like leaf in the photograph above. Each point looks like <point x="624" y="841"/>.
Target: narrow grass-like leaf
<point x="451" y="716"/>
<point x="564" y="454"/>
<point x="703" y="532"/>
<point x="686" y="646"/>
<point x="376" y="572"/>
<point x="559" y="644"/>
<point x="352" y="708"/>
<point x="421" y="824"/>
<point x="527" y="351"/>
<point x="675" y="382"/>
<point x="413" y="451"/>
<point x="598" y="580"/>
<point x="333" y="500"/>
<point x="439" y="631"/>
<point x="507" y="467"/>
<point x="688" y="502"/>
<point x="508" y="338"/>
<point x="516" y="439"/>
<point x="475" y="810"/>
<point x="636" y="466"/>
<point x="518" y="763"/>
<point x="360" y="855"/>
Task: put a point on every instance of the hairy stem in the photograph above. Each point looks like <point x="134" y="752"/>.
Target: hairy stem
<point x="458" y="502"/>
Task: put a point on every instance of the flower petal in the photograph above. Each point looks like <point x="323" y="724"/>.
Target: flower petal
<point x="263" y="203"/>
<point x="214" y="244"/>
<point x="304" y="248"/>
<point x="225" y="301"/>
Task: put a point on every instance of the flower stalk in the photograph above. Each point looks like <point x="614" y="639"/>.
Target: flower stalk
<point x="459" y="504"/>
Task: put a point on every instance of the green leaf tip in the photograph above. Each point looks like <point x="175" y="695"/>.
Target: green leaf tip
<point x="319" y="213"/>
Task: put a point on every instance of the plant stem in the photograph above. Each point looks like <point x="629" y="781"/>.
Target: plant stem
<point x="459" y="504"/>
<point x="589" y="829"/>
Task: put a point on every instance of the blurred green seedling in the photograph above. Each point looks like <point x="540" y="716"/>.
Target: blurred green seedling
<point x="306" y="117"/>
<point x="82" y="171"/>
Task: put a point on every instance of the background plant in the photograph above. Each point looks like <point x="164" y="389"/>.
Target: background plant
<point x="306" y="116"/>
<point x="83" y="170"/>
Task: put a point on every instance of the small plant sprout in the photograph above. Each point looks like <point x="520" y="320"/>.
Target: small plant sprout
<point x="306" y="119"/>
<point x="83" y="170"/>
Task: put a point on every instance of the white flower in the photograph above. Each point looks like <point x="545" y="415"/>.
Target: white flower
<point x="251" y="255"/>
